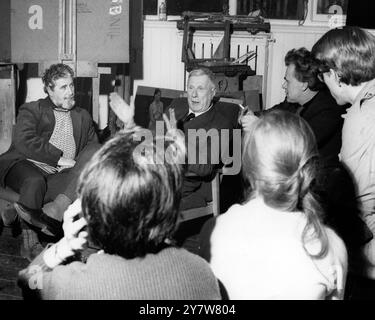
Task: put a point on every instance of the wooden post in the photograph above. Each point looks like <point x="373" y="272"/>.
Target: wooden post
<point x="7" y="106"/>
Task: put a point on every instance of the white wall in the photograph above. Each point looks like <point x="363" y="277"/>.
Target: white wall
<point x="287" y="37"/>
<point x="163" y="46"/>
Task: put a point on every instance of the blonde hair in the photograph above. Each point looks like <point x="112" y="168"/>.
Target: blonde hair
<point x="279" y="163"/>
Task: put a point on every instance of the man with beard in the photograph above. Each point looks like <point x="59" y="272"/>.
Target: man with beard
<point x="52" y="141"/>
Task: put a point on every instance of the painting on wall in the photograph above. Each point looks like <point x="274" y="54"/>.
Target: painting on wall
<point x="144" y="98"/>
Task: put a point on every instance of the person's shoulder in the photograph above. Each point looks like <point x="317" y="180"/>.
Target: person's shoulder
<point x="225" y="115"/>
<point x="325" y="100"/>
<point x="190" y="260"/>
<point x="231" y="219"/>
<point x="34" y="106"/>
<point x="367" y="94"/>
<point x="324" y="105"/>
<point x="226" y="108"/>
<point x="63" y="274"/>
<point x="336" y="243"/>
<point x="82" y="112"/>
<point x="367" y="102"/>
<point x="181" y="253"/>
<point x="284" y="106"/>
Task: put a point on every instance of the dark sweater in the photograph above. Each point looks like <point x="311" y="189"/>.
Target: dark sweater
<point x="324" y="117"/>
<point x="173" y="273"/>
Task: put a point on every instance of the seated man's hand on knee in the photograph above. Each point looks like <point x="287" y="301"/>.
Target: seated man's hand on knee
<point x="65" y="162"/>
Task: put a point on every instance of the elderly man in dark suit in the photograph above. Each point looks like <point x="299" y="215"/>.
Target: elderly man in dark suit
<point x="52" y="141"/>
<point x="206" y="118"/>
<point x="200" y="112"/>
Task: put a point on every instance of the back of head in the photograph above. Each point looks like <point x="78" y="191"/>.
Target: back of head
<point x="278" y="159"/>
<point x="306" y="67"/>
<point x="279" y="163"/>
<point x="130" y="195"/>
<point x="350" y="51"/>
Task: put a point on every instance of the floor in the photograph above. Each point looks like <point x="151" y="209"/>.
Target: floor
<point x="10" y="264"/>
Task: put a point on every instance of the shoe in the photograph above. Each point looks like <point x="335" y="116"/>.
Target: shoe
<point x="31" y="247"/>
<point x="9" y="217"/>
<point x="39" y="219"/>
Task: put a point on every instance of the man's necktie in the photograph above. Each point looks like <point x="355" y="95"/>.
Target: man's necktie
<point x="189" y="117"/>
<point x="180" y="123"/>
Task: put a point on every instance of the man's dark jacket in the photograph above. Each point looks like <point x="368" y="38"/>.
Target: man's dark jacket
<point x="196" y="188"/>
<point x="324" y="117"/>
<point x="33" y="129"/>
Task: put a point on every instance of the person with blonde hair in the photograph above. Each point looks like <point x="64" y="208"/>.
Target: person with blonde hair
<point x="274" y="246"/>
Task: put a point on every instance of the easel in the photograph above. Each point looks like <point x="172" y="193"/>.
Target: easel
<point x="224" y="67"/>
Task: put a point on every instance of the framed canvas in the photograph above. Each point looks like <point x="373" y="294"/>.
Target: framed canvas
<point x="144" y="98"/>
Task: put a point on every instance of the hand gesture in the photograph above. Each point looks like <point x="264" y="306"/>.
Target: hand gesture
<point x="74" y="239"/>
<point x="247" y="121"/>
<point x="66" y="162"/>
<point x="124" y="111"/>
<point x="176" y="152"/>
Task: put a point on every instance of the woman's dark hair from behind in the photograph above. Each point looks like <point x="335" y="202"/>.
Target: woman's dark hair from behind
<point x="279" y="162"/>
<point x="306" y="67"/>
<point x="130" y="195"/>
<point x="350" y="51"/>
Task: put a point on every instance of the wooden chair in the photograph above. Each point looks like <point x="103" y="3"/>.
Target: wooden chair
<point x="212" y="207"/>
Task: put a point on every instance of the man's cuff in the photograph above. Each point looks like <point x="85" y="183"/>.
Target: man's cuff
<point x="51" y="258"/>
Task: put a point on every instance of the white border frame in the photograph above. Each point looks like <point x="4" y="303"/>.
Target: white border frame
<point x="316" y="17"/>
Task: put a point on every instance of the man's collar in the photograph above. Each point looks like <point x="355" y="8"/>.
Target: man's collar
<point x="367" y="92"/>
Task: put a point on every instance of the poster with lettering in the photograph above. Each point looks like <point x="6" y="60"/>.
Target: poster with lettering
<point x="83" y="30"/>
<point x="103" y="31"/>
<point x="34" y="30"/>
